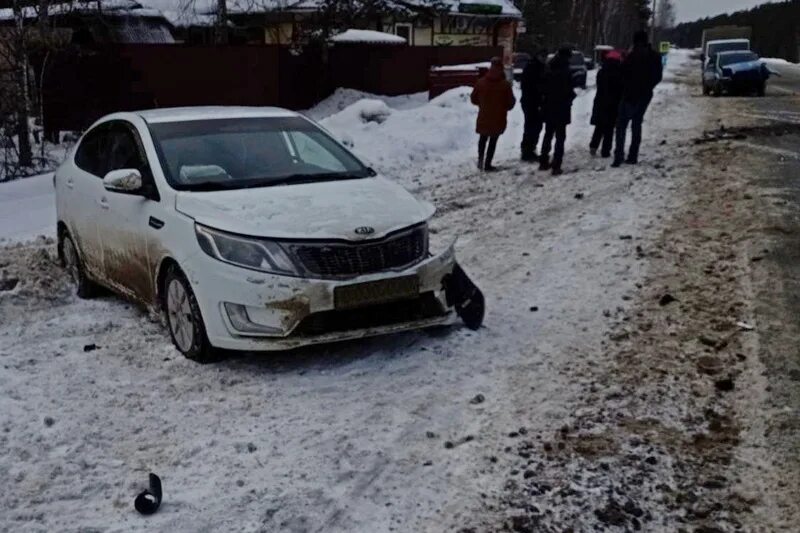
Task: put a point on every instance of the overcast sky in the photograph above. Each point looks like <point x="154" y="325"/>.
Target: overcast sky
<point x="689" y="10"/>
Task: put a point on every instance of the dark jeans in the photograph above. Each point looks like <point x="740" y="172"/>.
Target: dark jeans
<point x="633" y="113"/>
<point x="560" y="133"/>
<point x="603" y="134"/>
<point x="530" y="136"/>
<point x="484" y="155"/>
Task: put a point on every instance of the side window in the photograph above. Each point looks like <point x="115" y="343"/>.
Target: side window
<point x="124" y="149"/>
<point x="90" y="156"/>
<point x="310" y="151"/>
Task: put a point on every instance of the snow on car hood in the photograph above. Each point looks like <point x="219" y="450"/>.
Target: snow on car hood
<point x="325" y="210"/>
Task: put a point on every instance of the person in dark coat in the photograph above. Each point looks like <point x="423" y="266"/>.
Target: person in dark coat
<point x="557" y="109"/>
<point x="494" y="98"/>
<point x="606" y="104"/>
<point x="532" y="98"/>
<point x="642" y="70"/>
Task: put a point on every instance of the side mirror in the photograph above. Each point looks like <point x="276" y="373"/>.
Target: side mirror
<point x="123" y="180"/>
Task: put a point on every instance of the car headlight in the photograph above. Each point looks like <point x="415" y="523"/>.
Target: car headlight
<point x="263" y="255"/>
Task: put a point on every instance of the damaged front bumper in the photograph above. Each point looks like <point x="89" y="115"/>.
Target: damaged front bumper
<point x="252" y="311"/>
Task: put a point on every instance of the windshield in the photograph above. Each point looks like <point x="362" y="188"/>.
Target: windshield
<point x="728" y="47"/>
<point x="239" y="153"/>
<point x="740" y="57"/>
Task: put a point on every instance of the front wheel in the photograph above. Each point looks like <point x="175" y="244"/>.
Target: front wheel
<point x="185" y="323"/>
<point x="71" y="261"/>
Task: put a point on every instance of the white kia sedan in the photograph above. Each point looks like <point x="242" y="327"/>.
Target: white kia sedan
<point x="251" y="229"/>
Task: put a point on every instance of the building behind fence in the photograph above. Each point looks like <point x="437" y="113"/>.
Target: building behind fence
<point x="79" y="87"/>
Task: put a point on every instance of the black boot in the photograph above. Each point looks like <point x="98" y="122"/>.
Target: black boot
<point x="544" y="163"/>
<point x="617" y="163"/>
<point x="557" y="169"/>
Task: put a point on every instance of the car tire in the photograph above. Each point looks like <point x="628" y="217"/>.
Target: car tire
<point x="71" y="261"/>
<point x="762" y="90"/>
<point x="184" y="320"/>
<point x="717" y="91"/>
<point x="706" y="90"/>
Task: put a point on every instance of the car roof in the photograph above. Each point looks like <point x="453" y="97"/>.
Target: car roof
<point x="732" y="52"/>
<point x="183" y="114"/>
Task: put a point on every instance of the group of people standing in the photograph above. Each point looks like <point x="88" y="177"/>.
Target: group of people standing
<point x="624" y="91"/>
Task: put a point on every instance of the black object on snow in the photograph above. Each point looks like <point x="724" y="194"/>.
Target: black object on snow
<point x="90" y="347"/>
<point x="467" y="298"/>
<point x="666" y="300"/>
<point x="148" y="501"/>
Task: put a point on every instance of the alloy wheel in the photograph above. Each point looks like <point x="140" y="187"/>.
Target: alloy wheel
<point x="179" y="312"/>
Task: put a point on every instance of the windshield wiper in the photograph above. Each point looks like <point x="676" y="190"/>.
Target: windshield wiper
<point x="312" y="178"/>
<point x="202" y="186"/>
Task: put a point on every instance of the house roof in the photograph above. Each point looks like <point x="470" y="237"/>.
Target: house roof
<point x="201" y="12"/>
<point x="110" y="7"/>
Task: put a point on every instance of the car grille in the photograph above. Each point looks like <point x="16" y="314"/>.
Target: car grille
<point x="374" y="316"/>
<point x="330" y="260"/>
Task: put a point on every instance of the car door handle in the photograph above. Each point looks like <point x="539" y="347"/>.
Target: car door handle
<point x="103" y="202"/>
<point x="156" y="223"/>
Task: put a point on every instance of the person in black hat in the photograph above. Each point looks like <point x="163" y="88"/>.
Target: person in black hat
<point x="557" y="109"/>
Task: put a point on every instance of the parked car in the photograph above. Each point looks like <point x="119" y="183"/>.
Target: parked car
<point x="717" y="46"/>
<point x="577" y="65"/>
<point x="520" y="61"/>
<point x="735" y="72"/>
<point x="252" y="229"/>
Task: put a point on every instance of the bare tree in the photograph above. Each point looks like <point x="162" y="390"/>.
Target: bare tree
<point x="20" y="65"/>
<point x="664" y="15"/>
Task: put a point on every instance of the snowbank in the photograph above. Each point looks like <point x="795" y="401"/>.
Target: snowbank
<point x="406" y="144"/>
<point x="778" y="61"/>
<point x="367" y="36"/>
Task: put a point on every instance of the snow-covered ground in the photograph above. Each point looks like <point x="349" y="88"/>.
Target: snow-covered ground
<point x="27" y="208"/>
<point x="387" y="434"/>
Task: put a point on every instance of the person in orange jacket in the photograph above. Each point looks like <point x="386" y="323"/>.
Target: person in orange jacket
<point x="494" y="98"/>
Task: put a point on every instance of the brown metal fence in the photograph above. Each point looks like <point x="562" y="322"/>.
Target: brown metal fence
<point x="79" y="87"/>
<point x="394" y="70"/>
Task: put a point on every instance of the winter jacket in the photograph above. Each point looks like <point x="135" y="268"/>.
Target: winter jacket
<point x="494" y="98"/>
<point x="642" y="70"/>
<point x="533" y="86"/>
<point x="558" y="92"/>
<point x="609" y="94"/>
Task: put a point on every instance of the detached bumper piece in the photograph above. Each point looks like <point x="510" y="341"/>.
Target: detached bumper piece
<point x="466" y="297"/>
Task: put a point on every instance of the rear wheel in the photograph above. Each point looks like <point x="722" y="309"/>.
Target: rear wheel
<point x="185" y="323"/>
<point x="71" y="261"/>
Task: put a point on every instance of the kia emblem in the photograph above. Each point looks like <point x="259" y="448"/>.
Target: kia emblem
<point x="365" y="230"/>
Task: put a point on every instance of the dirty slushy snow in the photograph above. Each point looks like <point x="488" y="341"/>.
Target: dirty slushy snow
<point x="376" y="435"/>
